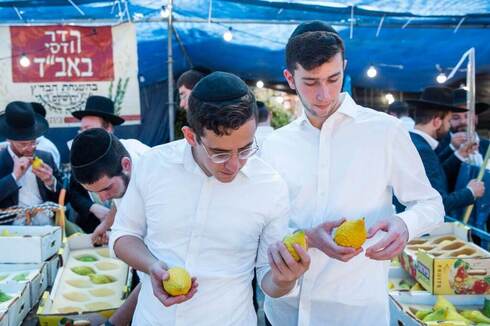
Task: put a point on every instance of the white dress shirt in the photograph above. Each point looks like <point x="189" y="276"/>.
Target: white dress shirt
<point x="433" y="143"/>
<point x="408" y="123"/>
<point x="218" y="231"/>
<point x="348" y="169"/>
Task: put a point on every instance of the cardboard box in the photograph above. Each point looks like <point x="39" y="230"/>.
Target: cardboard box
<point x="397" y="275"/>
<point x="403" y="306"/>
<point x="36" y="278"/>
<point x="408" y="258"/>
<point x="29" y="244"/>
<point x="4" y="318"/>
<point x="52" y="266"/>
<point x="48" y="313"/>
<point x="19" y="306"/>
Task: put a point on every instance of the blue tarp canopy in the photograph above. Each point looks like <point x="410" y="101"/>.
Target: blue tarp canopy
<point x="404" y="39"/>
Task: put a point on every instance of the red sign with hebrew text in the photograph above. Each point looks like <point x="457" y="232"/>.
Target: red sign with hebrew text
<point x="61" y="53"/>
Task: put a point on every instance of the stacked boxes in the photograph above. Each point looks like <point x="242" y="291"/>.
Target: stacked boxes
<point x="28" y="256"/>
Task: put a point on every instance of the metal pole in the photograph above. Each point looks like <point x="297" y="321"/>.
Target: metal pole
<point x="470" y="98"/>
<point x="170" y="62"/>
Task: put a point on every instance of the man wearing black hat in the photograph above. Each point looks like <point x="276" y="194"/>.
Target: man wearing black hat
<point x="432" y="115"/>
<point x="92" y="210"/>
<point x="401" y="110"/>
<point x="43" y="143"/>
<point x="458" y="130"/>
<point x="21" y="182"/>
<point x="343" y="161"/>
<point x="185" y="207"/>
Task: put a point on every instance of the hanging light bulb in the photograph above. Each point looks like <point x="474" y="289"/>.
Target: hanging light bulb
<point x="389" y="98"/>
<point x="228" y="35"/>
<point x="24" y="61"/>
<point x="260" y="84"/>
<point x="441" y="78"/>
<point x="372" y="72"/>
<point x="164" y="12"/>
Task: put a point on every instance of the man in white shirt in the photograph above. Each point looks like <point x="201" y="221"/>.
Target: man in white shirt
<point x="99" y="112"/>
<point x="42" y="143"/>
<point x="343" y="161"/>
<point x="207" y="204"/>
<point x="22" y="183"/>
<point x="102" y="164"/>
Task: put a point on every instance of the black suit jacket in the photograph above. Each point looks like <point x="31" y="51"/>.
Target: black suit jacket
<point x="81" y="202"/>
<point x="9" y="190"/>
<point x="437" y="177"/>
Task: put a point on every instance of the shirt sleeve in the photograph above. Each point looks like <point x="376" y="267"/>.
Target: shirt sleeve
<point x="424" y="209"/>
<point x="130" y="216"/>
<point x="273" y="231"/>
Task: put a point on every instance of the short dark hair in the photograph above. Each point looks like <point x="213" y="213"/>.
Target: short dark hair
<point x="263" y="111"/>
<point x="221" y="117"/>
<point x="190" y="78"/>
<point x="95" y="153"/>
<point x="398" y="108"/>
<point x="424" y="116"/>
<point x="312" y="49"/>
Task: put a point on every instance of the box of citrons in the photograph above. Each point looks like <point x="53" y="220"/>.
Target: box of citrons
<point x="447" y="263"/>
<point x="89" y="287"/>
<point x="426" y="309"/>
<point x="408" y="258"/>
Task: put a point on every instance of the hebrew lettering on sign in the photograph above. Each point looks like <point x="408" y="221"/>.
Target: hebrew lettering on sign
<point x="63" y="53"/>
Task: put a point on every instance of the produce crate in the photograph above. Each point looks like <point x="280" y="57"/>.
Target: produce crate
<point x="18" y="307"/>
<point x="35" y="276"/>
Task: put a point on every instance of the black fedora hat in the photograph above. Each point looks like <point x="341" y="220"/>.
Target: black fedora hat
<point x="436" y="98"/>
<point x="19" y="122"/>
<point x="39" y="109"/>
<point x="459" y="99"/>
<point x="99" y="106"/>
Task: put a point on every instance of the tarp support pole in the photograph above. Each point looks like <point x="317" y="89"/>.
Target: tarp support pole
<point x="170" y="62"/>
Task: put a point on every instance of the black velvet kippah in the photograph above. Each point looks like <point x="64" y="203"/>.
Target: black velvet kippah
<point x="312" y="26"/>
<point x="220" y="87"/>
<point x="89" y="146"/>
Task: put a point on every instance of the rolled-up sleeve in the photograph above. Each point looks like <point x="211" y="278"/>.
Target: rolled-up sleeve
<point x="275" y="230"/>
<point x="424" y="209"/>
<point x="130" y="217"/>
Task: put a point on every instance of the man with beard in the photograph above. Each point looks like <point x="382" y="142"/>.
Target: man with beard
<point x="23" y="183"/>
<point x="459" y="125"/>
<point x="432" y="120"/>
<point x="93" y="210"/>
<point x="102" y="165"/>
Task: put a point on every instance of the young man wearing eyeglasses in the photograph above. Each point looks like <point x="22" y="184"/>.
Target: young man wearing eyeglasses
<point x="207" y="204"/>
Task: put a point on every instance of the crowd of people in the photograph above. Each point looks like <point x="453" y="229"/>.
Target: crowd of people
<point x="219" y="201"/>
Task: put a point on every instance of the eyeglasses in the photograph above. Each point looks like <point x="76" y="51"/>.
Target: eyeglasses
<point x="225" y="157"/>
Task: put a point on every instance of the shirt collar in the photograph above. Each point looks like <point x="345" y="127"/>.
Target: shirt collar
<point x="347" y="108"/>
<point x="428" y="138"/>
<point x="11" y="152"/>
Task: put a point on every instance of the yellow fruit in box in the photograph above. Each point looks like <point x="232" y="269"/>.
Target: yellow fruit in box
<point x="351" y="234"/>
<point x="178" y="283"/>
<point x="37" y="162"/>
<point x="475" y="316"/>
<point x="299" y="238"/>
<point x="453" y="315"/>
<point x="443" y="303"/>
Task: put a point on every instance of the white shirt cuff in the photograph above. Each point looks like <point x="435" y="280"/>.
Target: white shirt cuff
<point x="452" y="147"/>
<point x="471" y="191"/>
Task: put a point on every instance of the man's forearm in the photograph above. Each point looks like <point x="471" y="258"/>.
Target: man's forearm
<point x="134" y="252"/>
<point x="275" y="290"/>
